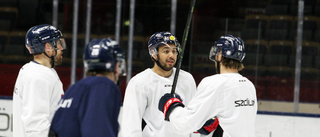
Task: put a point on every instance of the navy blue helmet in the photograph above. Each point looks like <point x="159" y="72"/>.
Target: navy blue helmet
<point x="161" y="38"/>
<point x="102" y="55"/>
<point x="39" y="35"/>
<point x="230" y="46"/>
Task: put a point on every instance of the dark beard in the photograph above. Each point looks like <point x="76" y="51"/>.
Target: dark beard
<point x="165" y="67"/>
<point x="57" y="61"/>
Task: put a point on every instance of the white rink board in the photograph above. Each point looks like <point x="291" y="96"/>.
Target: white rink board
<point x="287" y="126"/>
<point x="266" y="125"/>
<point x="5" y="117"/>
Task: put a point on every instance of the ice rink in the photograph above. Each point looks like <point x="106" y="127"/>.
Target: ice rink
<point x="287" y="126"/>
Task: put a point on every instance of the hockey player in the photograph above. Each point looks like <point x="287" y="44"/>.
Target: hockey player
<point x="38" y="87"/>
<point x="146" y="88"/>
<point x="227" y="96"/>
<point x="90" y="107"/>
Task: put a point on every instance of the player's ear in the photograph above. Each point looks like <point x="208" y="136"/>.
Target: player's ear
<point x="155" y="56"/>
<point x="48" y="47"/>
<point x="219" y="56"/>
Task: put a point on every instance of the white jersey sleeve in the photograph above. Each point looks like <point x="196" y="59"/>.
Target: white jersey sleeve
<point x="35" y="100"/>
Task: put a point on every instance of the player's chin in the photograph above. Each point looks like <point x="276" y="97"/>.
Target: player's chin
<point x="169" y="67"/>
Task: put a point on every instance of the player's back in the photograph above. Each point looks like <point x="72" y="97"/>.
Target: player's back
<point x="82" y="106"/>
<point x="238" y="103"/>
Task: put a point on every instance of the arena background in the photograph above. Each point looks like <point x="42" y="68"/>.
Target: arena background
<point x="284" y="65"/>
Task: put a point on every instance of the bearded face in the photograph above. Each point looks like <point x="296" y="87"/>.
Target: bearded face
<point x="167" y="56"/>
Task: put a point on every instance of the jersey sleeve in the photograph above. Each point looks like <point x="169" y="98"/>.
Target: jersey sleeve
<point x="100" y="111"/>
<point x="36" y="106"/>
<point x="135" y="102"/>
<point x="202" y="107"/>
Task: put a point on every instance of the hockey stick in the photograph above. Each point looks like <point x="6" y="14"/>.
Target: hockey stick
<point x="183" y="45"/>
<point x="218" y="132"/>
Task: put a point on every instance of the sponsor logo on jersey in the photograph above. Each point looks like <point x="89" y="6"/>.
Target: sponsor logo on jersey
<point x="242" y="80"/>
<point x="246" y="102"/>
<point x="65" y="103"/>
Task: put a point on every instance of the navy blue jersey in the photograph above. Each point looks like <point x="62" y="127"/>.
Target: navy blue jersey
<point x="89" y="108"/>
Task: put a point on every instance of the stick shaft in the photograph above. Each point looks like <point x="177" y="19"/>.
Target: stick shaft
<point x="183" y="45"/>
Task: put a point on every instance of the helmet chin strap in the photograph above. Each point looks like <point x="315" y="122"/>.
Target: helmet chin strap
<point x="157" y="62"/>
<point x="218" y="67"/>
<point x="52" y="57"/>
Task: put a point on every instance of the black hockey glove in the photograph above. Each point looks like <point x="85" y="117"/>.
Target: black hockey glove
<point x="167" y="103"/>
<point x="209" y="126"/>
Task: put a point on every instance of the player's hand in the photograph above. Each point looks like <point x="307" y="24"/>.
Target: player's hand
<point x="167" y="103"/>
<point x="209" y="126"/>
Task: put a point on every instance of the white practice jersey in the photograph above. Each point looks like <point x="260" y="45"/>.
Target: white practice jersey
<point x="37" y="92"/>
<point x="230" y="97"/>
<point x="141" y="102"/>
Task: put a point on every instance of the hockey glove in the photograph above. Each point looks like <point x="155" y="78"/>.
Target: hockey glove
<point x="209" y="126"/>
<point x="167" y="104"/>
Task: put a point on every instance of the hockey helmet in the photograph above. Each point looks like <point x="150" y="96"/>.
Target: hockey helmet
<point x="39" y="35"/>
<point x="161" y="38"/>
<point x="100" y="55"/>
<point x="230" y="46"/>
